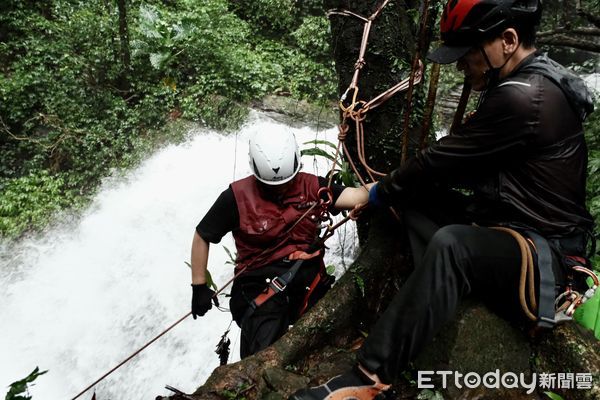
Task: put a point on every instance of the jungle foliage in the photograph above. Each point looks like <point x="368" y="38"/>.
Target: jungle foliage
<point x="88" y="87"/>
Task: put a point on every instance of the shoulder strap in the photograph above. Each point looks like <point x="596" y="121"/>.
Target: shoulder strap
<point x="547" y="289"/>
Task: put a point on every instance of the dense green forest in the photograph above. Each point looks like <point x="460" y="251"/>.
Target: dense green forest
<point x="88" y="88"/>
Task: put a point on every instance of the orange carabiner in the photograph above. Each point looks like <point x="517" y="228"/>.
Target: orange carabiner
<point x="328" y="196"/>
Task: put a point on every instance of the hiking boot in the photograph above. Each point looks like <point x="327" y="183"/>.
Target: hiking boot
<point x="351" y="385"/>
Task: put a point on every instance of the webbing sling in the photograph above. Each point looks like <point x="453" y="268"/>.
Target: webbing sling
<point x="547" y="289"/>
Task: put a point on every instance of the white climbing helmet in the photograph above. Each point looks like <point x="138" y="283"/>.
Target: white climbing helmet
<point x="274" y="157"/>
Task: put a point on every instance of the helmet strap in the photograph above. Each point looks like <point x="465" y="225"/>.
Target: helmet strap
<point x="492" y="75"/>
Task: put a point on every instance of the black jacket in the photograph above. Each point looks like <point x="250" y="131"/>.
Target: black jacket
<point x="523" y="154"/>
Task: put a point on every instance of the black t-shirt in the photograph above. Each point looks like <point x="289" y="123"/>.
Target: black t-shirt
<point x="224" y="217"/>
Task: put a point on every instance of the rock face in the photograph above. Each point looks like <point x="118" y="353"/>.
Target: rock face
<point x="298" y="112"/>
<point x="323" y="342"/>
<point x="570" y="349"/>
<point x="478" y="341"/>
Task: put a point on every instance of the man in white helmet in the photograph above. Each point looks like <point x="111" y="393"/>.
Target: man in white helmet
<point x="266" y="214"/>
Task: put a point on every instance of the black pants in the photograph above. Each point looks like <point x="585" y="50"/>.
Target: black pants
<point x="451" y="262"/>
<point x="271" y="320"/>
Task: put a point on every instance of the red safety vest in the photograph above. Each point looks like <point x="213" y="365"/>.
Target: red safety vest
<point x="263" y="222"/>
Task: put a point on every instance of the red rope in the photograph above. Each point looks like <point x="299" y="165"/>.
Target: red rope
<point x="173" y="325"/>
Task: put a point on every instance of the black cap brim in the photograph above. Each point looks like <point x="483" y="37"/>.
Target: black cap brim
<point x="447" y="54"/>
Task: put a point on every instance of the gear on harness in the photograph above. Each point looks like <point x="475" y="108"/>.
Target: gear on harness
<point x="222" y="349"/>
<point x="552" y="309"/>
<point x="567" y="302"/>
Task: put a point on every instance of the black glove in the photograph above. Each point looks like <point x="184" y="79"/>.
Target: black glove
<point x="201" y="297"/>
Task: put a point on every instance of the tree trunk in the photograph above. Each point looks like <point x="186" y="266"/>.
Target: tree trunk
<point x="125" y="49"/>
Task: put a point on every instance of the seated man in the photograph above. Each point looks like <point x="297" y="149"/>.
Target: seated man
<point x="274" y="216"/>
<point x="523" y="156"/>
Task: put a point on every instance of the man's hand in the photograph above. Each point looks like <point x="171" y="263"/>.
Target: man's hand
<point x="357" y="211"/>
<point x="201" y="298"/>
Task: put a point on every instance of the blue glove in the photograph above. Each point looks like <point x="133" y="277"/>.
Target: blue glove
<point x="374" y="199"/>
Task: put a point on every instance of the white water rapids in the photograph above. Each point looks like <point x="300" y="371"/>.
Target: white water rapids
<point x="83" y="296"/>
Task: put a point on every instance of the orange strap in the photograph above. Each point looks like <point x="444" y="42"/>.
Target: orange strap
<point x="302" y="255"/>
<point x="311" y="288"/>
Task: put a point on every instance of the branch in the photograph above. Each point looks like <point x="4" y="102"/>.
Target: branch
<point x="6" y="129"/>
<point x="587" y="31"/>
<point x="567" y="41"/>
<point x="49" y="120"/>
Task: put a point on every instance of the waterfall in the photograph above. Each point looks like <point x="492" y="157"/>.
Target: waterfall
<point x="84" y="295"/>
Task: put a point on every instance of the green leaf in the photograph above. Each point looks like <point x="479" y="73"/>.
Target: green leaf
<point x="315" y="151"/>
<point x="360" y="283"/>
<point x="209" y="281"/>
<point x="345" y="176"/>
<point x="317" y="142"/>
<point x="159" y="60"/>
<point x="553" y="396"/>
<point x="427" y="394"/>
<point x="230" y="255"/>
<point x="330" y="269"/>
<point x="19" y="387"/>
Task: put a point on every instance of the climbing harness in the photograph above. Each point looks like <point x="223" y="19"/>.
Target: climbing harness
<point x="279" y="283"/>
<point x="552" y="309"/>
<point x="274" y="286"/>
